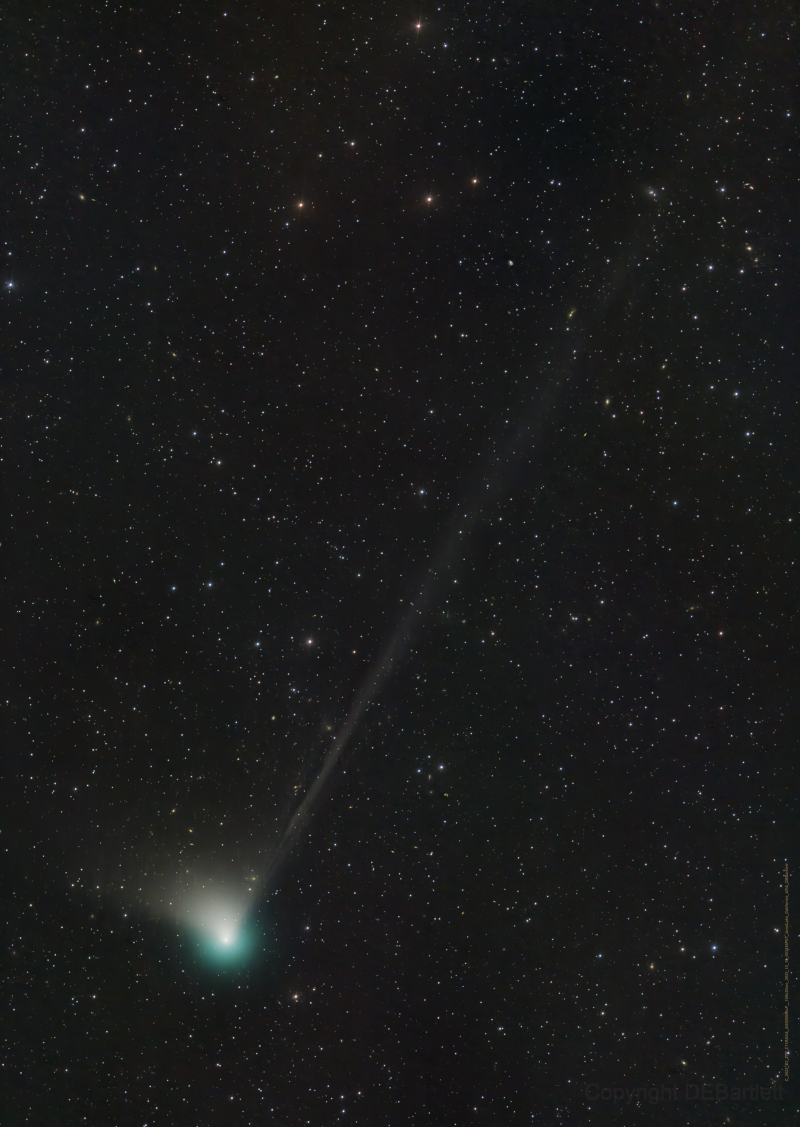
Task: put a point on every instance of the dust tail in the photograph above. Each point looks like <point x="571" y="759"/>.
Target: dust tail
<point x="503" y="463"/>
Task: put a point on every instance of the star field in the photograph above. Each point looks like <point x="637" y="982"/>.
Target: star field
<point x="464" y="335"/>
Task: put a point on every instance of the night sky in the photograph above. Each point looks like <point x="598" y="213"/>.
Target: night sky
<point x="441" y="360"/>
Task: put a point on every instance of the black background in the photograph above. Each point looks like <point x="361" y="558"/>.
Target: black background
<point x="553" y="855"/>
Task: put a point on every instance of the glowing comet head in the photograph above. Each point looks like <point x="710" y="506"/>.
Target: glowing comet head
<point x="221" y="928"/>
<point x="219" y="921"/>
